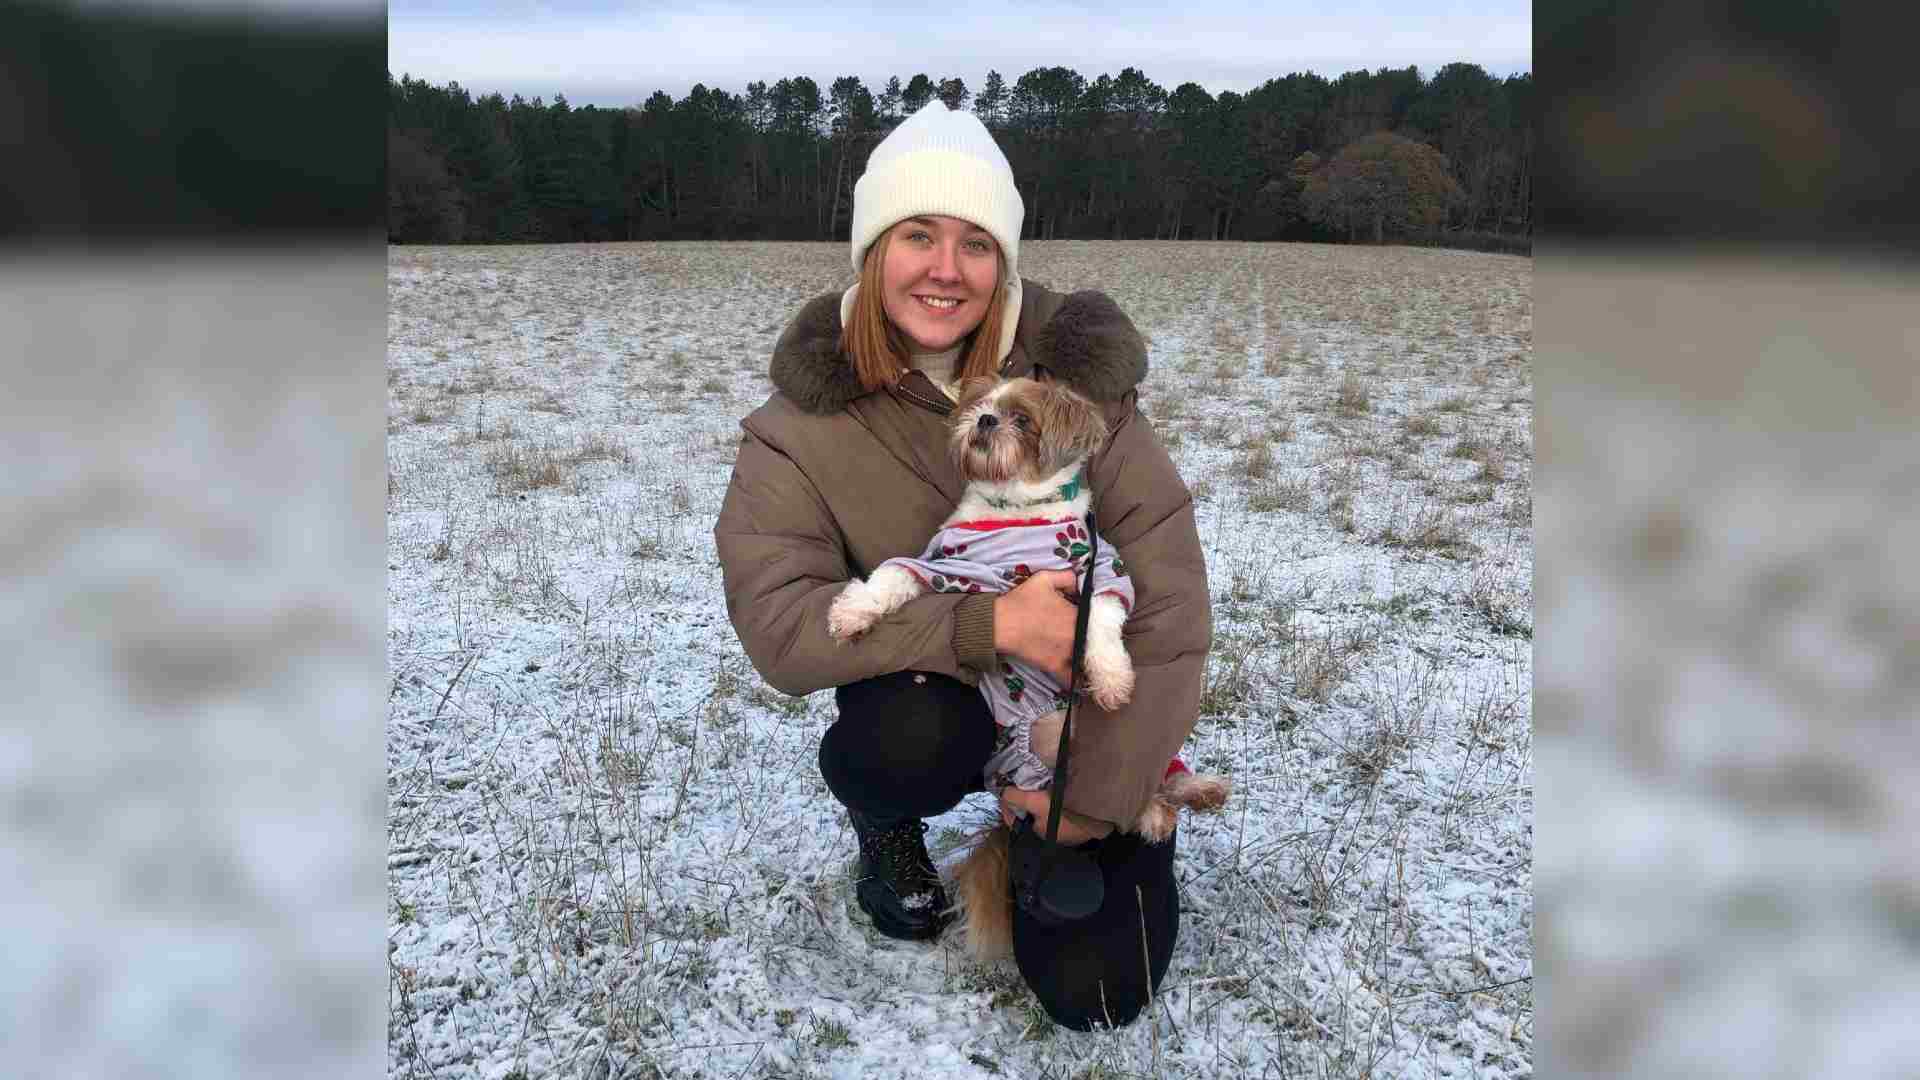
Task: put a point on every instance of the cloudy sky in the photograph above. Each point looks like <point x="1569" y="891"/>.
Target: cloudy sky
<point x="617" y="54"/>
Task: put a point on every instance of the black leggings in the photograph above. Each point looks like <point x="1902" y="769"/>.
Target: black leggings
<point x="912" y="744"/>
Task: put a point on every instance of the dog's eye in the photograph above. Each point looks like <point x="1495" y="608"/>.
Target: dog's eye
<point x="1019" y="419"/>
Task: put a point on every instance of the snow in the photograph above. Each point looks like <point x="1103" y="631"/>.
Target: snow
<point x="610" y="850"/>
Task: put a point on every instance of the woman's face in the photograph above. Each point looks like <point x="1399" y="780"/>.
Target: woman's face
<point x="937" y="277"/>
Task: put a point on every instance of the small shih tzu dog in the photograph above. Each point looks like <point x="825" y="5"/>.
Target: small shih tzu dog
<point x="1022" y="445"/>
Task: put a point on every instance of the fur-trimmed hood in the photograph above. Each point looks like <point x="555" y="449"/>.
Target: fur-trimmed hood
<point x="1082" y="338"/>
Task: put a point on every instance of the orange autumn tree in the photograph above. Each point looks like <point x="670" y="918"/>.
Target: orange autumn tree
<point x="1385" y="182"/>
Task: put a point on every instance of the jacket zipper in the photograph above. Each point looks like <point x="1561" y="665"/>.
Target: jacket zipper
<point x="942" y="407"/>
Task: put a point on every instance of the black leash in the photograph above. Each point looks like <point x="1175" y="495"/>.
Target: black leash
<point x="1056" y="884"/>
<point x="1074" y="677"/>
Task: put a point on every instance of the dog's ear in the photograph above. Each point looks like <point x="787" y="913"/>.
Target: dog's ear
<point x="972" y="390"/>
<point x="1071" y="426"/>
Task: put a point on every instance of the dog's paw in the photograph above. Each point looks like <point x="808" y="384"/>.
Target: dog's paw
<point x="1110" y="677"/>
<point x="853" y="614"/>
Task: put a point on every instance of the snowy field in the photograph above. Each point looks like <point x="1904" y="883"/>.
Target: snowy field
<point x="610" y="850"/>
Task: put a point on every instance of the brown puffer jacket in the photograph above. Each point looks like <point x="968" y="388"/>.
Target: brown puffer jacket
<point x="831" y="481"/>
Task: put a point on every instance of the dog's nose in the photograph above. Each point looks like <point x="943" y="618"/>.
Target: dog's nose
<point x="988" y="422"/>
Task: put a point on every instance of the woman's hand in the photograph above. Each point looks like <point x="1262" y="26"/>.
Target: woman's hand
<point x="1074" y="828"/>
<point x="1034" y="622"/>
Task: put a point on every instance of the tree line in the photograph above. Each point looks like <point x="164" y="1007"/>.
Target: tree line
<point x="1370" y="156"/>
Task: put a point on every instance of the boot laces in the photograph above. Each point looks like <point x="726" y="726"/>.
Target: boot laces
<point x="898" y="855"/>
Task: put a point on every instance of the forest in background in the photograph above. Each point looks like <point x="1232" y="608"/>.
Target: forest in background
<point x="1368" y="156"/>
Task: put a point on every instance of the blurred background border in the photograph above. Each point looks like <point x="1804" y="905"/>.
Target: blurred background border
<point x="1728" y="625"/>
<point x="193" y="311"/>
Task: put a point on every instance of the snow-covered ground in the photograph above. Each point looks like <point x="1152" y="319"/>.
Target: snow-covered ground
<point x="610" y="850"/>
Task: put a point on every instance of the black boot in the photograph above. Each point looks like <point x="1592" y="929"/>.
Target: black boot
<point x="896" y="882"/>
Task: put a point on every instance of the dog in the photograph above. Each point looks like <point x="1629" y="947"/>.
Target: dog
<point x="1022" y="445"/>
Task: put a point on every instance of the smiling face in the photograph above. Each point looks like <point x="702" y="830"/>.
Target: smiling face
<point x="937" y="279"/>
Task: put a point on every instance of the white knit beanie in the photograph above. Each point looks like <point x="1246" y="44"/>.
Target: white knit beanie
<point x="941" y="161"/>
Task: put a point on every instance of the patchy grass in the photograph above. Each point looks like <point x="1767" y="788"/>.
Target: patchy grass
<point x="518" y="467"/>
<point x="1316" y="667"/>
<point x="1473" y="445"/>
<point x="1430" y="526"/>
<point x="1217" y="432"/>
<point x="1354" y="395"/>
<point x="600" y="446"/>
<point x="1503" y="609"/>
<point x="607" y="834"/>
<point x="1420" y="425"/>
<point x="1273" y="493"/>
<point x="1256" y="461"/>
<point x="1280" y="428"/>
<point x="832" y="1035"/>
<point x="550" y="402"/>
<point x="1340" y="511"/>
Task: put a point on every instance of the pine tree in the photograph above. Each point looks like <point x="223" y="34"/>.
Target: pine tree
<point x="888" y="104"/>
<point x="991" y="102"/>
<point x="918" y="92"/>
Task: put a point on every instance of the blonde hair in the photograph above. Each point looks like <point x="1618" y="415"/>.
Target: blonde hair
<point x="879" y="350"/>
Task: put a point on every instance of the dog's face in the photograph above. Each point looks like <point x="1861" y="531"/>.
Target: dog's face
<point x="1022" y="429"/>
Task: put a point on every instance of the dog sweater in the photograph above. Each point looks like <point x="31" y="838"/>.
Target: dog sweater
<point x="994" y="556"/>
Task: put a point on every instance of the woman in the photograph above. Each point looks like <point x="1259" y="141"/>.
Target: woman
<point x="846" y="465"/>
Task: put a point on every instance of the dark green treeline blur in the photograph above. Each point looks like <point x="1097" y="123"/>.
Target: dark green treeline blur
<point x="1108" y="158"/>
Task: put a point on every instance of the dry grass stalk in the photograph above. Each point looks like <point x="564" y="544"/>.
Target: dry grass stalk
<point x="1420" y="425"/>
<point x="1281" y="493"/>
<point x="1354" y="396"/>
<point x="1256" y="462"/>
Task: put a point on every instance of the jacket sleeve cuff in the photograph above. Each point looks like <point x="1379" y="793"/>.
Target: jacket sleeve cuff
<point x="973" y="631"/>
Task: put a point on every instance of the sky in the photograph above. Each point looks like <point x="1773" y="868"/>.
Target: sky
<point x="618" y="54"/>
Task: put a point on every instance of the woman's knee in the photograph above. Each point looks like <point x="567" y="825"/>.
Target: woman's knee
<point x="1085" y="1008"/>
<point x="1110" y="984"/>
<point x="906" y="738"/>
<point x="1103" y="972"/>
<point x="911" y="721"/>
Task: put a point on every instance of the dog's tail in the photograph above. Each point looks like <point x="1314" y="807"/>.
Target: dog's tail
<point x="1181" y="787"/>
<point x="982" y="897"/>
